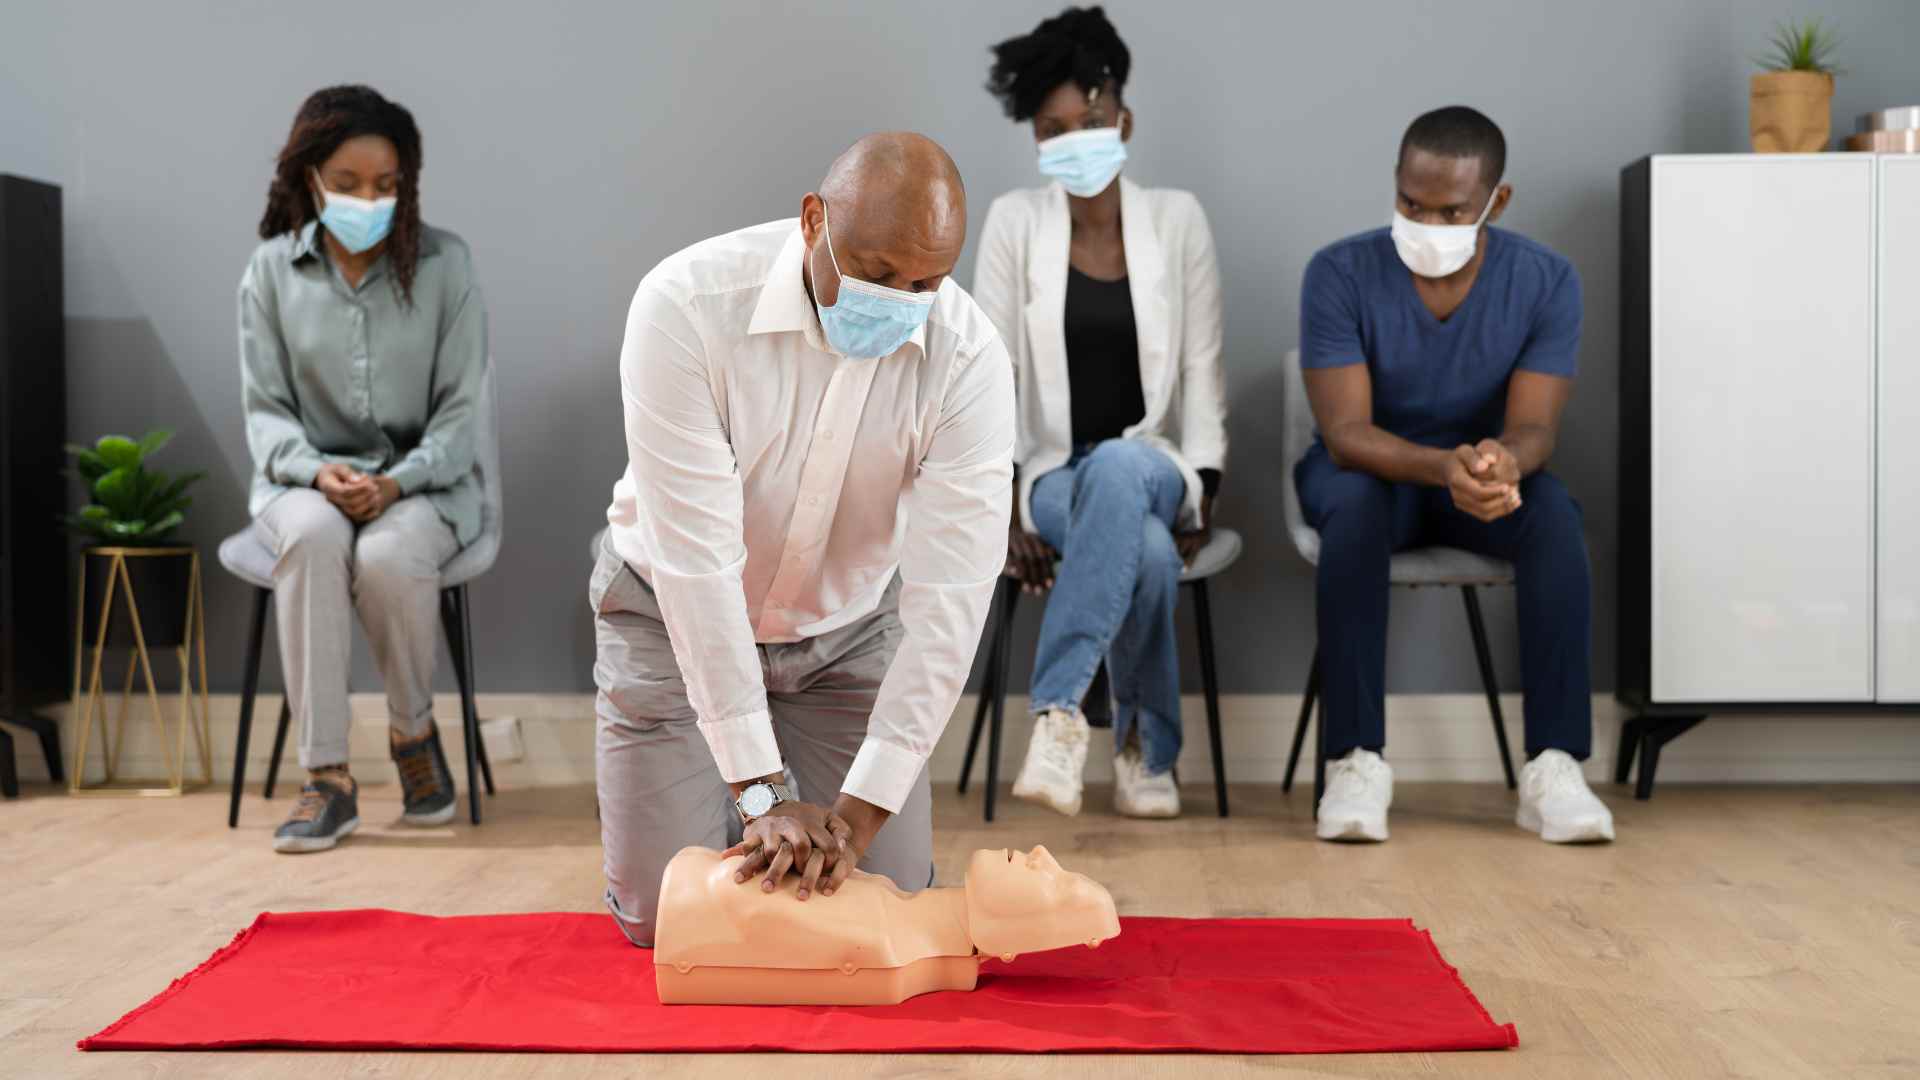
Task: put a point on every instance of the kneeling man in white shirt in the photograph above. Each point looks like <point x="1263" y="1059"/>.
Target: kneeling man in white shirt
<point x="806" y="539"/>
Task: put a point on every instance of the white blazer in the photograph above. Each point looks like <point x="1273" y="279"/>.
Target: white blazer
<point x="1020" y="280"/>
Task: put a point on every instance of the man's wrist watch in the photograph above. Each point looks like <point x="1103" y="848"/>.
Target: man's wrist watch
<point x="758" y="799"/>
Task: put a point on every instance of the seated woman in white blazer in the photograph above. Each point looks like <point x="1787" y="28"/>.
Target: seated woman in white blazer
<point x="1108" y="297"/>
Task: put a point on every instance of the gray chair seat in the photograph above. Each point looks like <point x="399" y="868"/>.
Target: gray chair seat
<point x="248" y="558"/>
<point x="1421" y="567"/>
<point x="1221" y="551"/>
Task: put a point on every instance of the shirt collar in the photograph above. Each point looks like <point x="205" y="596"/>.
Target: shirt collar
<point x="785" y="307"/>
<point x="306" y="244"/>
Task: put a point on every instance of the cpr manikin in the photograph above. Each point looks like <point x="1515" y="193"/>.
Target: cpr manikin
<point x="722" y="942"/>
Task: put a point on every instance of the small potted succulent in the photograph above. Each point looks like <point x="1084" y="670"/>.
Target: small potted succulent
<point x="1790" y="110"/>
<point x="132" y="513"/>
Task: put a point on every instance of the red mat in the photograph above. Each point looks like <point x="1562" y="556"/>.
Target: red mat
<point x="383" y="980"/>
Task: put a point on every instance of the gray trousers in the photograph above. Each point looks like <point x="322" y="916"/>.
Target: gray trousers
<point x="659" y="788"/>
<point x="327" y="569"/>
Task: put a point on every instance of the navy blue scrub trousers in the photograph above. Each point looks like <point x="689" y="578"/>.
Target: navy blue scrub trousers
<point x="1363" y="520"/>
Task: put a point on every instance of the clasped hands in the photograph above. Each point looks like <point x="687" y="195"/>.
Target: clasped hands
<point x="1484" y="480"/>
<point x="360" y="496"/>
<point x="819" y="844"/>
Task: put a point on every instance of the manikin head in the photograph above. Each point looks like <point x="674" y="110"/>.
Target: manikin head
<point x="1024" y="902"/>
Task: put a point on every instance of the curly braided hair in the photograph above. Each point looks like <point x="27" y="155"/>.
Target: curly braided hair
<point x="326" y="119"/>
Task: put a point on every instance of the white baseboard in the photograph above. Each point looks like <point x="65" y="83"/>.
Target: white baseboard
<point x="1444" y="737"/>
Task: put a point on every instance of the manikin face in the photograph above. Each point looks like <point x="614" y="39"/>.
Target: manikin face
<point x="1026" y="902"/>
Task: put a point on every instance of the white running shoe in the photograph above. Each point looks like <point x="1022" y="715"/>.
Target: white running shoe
<point x="1056" y="761"/>
<point x="1556" y="802"/>
<point x="1354" y="806"/>
<point x="1138" y="793"/>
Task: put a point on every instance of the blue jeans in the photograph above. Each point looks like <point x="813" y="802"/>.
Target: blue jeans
<point x="1110" y="513"/>
<point x="1363" y="520"/>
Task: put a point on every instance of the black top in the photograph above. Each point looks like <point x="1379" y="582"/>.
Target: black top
<point x="1103" y="359"/>
<point x="1103" y="363"/>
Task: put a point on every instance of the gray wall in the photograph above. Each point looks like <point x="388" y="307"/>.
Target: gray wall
<point x="575" y="145"/>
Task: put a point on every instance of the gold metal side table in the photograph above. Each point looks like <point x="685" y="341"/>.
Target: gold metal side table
<point x="122" y="565"/>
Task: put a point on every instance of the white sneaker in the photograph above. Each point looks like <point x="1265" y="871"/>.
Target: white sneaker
<point x="1138" y="793"/>
<point x="1556" y="802"/>
<point x="1354" y="805"/>
<point x="1056" y="761"/>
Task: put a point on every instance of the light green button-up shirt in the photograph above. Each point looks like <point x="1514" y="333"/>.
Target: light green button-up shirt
<point x="334" y="373"/>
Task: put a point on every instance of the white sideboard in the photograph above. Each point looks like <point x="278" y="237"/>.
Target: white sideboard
<point x="1769" y="437"/>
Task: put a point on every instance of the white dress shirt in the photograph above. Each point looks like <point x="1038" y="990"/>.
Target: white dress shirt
<point x="773" y="488"/>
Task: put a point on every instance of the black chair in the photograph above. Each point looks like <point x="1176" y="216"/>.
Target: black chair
<point x="1220" y="552"/>
<point x="247" y="558"/>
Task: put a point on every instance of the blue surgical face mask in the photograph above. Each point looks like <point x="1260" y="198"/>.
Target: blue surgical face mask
<point x="357" y="223"/>
<point x="868" y="321"/>
<point x="1084" y="162"/>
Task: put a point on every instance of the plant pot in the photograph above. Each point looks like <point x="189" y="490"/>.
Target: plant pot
<point x="162" y="581"/>
<point x="1790" y="112"/>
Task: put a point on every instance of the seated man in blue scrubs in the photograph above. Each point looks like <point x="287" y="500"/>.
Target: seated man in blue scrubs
<point x="1438" y="354"/>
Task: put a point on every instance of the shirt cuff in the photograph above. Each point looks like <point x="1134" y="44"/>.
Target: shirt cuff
<point x="411" y="474"/>
<point x="298" y="472"/>
<point x="743" y="747"/>
<point x="883" y="774"/>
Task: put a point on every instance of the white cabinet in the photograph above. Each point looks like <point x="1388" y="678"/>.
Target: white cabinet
<point x="1762" y="371"/>
<point x="1897" y="641"/>
<point x="1770" y="431"/>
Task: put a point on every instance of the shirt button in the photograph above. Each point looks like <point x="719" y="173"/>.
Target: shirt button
<point x="813" y="500"/>
<point x="827" y="435"/>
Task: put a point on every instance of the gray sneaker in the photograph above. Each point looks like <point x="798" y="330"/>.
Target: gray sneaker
<point x="425" y="783"/>
<point x="328" y="810"/>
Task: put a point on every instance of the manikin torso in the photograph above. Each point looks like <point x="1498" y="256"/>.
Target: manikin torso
<point x="725" y="942"/>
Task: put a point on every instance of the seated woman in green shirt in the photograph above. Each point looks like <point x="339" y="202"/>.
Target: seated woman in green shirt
<point x="363" y="340"/>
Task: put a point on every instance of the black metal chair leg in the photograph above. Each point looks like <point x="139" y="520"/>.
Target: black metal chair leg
<point x="250" y="685"/>
<point x="9" y="771"/>
<point x="279" y="746"/>
<point x="1629" y="745"/>
<point x="1004" y="637"/>
<point x="48" y="733"/>
<point x="1471" y="597"/>
<point x="1203" y="621"/>
<point x="1306" y="716"/>
<point x="988" y="688"/>
<point x="457" y="622"/>
<point x="470" y="690"/>
<point x="469" y="715"/>
<point x="1319" y="758"/>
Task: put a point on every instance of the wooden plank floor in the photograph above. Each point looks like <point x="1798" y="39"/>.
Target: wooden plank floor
<point x="1731" y="931"/>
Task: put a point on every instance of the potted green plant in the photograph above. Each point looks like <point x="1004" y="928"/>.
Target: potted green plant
<point x="1790" y="110"/>
<point x="132" y="514"/>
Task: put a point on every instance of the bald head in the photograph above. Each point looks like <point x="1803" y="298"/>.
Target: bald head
<point x="895" y="209"/>
<point x="901" y="174"/>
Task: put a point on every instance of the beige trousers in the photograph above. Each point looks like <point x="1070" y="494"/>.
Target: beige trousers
<point x="388" y="573"/>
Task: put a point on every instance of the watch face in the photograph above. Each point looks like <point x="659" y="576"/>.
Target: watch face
<point x="756" y="800"/>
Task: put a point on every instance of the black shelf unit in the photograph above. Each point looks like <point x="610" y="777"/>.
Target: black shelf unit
<point x="34" y="594"/>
